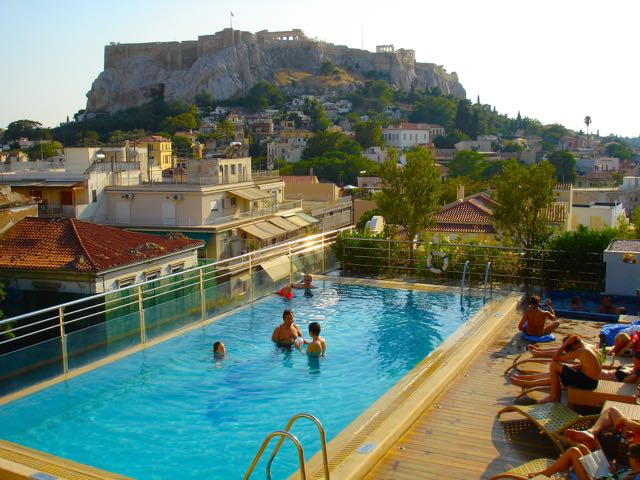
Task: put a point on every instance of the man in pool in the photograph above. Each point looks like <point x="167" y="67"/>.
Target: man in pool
<point x="317" y="346"/>
<point x="533" y="320"/>
<point x="306" y="283"/>
<point x="287" y="334"/>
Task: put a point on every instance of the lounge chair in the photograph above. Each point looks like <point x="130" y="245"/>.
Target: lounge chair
<point x="522" y="471"/>
<point x="553" y="419"/>
<point x="606" y="390"/>
<point x="527" y="363"/>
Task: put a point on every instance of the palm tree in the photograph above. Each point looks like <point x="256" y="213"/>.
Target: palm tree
<point x="587" y="122"/>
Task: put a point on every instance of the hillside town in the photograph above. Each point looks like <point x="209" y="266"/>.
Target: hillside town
<point x="161" y="248"/>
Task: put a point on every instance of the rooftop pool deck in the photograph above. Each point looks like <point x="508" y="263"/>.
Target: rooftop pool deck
<point x="439" y="422"/>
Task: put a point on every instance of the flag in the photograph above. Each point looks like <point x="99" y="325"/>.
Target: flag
<point x="232" y="14"/>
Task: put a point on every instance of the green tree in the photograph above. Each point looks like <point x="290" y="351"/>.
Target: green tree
<point x="410" y="193"/>
<point x="564" y="164"/>
<point x="368" y="134"/>
<point x="263" y="95"/>
<point x="524" y="194"/>
<point x="44" y="150"/>
<point x="336" y="166"/>
<point x="450" y="186"/>
<point x="324" y="143"/>
<point x="118" y="137"/>
<point x="464" y="117"/>
<point x="450" y="140"/>
<point x="619" y="150"/>
<point x="635" y="218"/>
<point x="182" y="147"/>
<point x="466" y="163"/>
<point x="438" y="110"/>
<point x="552" y="134"/>
<point x="204" y="100"/>
<point x="313" y="108"/>
<point x="182" y="121"/>
<point x="23" y="129"/>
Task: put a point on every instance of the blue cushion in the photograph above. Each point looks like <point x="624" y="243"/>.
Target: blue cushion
<point x="533" y="338"/>
<point x="610" y="331"/>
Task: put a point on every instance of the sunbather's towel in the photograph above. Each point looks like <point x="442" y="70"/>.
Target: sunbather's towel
<point x="610" y="330"/>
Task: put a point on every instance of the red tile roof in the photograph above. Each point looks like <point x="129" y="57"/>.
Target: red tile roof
<point x="461" y="228"/>
<point x="73" y="245"/>
<point x="154" y="138"/>
<point x="477" y="208"/>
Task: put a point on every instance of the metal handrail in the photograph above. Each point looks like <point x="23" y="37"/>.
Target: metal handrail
<point x="323" y="443"/>
<point x="282" y="434"/>
<point x="464" y="274"/>
<point x="487" y="273"/>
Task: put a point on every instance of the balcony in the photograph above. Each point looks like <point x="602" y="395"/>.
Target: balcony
<point x="257" y="213"/>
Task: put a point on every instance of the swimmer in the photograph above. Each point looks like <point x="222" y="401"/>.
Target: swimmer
<point x="219" y="350"/>
<point x="306" y="282"/>
<point x="317" y="346"/>
<point x="287" y="334"/>
<point x="608" y="307"/>
<point x="285" y="292"/>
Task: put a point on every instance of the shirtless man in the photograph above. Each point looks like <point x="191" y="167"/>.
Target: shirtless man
<point x="583" y="375"/>
<point x="306" y="283"/>
<point x="317" y="346"/>
<point x="533" y="320"/>
<point x="287" y="334"/>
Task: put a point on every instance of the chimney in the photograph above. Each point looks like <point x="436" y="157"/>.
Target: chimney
<point x="460" y="194"/>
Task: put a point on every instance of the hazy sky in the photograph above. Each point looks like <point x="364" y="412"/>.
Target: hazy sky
<point x="556" y="61"/>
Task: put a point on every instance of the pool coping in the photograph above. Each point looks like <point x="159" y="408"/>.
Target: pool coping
<point x="359" y="446"/>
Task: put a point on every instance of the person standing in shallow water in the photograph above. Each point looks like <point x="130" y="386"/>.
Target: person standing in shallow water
<point x="317" y="346"/>
<point x="533" y="320"/>
<point x="219" y="350"/>
<point x="287" y="334"/>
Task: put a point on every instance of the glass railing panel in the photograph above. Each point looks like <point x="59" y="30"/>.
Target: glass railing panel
<point x="172" y="315"/>
<point x="27" y="366"/>
<point x="96" y="342"/>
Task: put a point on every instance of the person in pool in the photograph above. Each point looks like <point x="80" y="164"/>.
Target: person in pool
<point x="287" y="334"/>
<point x="534" y="319"/>
<point x="219" y="350"/>
<point x="317" y="346"/>
<point x="306" y="283"/>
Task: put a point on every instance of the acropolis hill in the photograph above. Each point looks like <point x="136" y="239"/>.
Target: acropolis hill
<point x="230" y="62"/>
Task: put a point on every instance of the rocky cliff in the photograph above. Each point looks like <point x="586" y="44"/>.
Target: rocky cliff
<point x="230" y="62"/>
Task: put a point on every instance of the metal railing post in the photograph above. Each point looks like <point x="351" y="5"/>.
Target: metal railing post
<point x="203" y="306"/>
<point x="63" y="341"/>
<point x="324" y="263"/>
<point x="251" y="278"/>
<point x="290" y="267"/>
<point x="143" y="330"/>
<point x="389" y="253"/>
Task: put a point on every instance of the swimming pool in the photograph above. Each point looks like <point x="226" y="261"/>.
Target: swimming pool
<point x="171" y="411"/>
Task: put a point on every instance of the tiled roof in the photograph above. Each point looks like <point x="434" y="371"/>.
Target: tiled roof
<point x="562" y="186"/>
<point x="624" y="246"/>
<point x="410" y="126"/>
<point x="155" y="138"/>
<point x="462" y="228"/>
<point x="477" y="208"/>
<point x="73" y="245"/>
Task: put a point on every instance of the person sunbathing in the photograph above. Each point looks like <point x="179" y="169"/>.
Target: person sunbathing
<point x="533" y="320"/>
<point x="626" y="374"/>
<point x="584" y="374"/>
<point x="570" y="459"/>
<point x="614" y="434"/>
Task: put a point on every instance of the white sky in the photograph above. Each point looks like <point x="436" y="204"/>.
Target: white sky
<point x="557" y="61"/>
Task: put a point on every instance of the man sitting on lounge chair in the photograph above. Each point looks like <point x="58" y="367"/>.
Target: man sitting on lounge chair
<point x="583" y="375"/>
<point x="533" y="320"/>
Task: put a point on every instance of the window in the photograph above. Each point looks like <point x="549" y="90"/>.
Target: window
<point x="94" y="196"/>
<point x="232" y="200"/>
<point x="176" y="267"/>
<point x="233" y="169"/>
<point x="126" y="281"/>
<point x="152" y="274"/>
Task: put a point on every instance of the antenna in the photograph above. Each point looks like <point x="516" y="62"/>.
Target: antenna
<point x="362" y="34"/>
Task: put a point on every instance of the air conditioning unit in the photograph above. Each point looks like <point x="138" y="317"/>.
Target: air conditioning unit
<point x="128" y="196"/>
<point x="177" y="196"/>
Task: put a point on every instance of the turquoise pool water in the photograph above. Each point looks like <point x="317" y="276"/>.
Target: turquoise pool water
<point x="173" y="412"/>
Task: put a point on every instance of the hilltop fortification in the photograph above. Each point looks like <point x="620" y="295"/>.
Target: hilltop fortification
<point x="230" y="62"/>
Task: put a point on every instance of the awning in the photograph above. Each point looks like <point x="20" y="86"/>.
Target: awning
<point x="271" y="228"/>
<point x="284" y="224"/>
<point x="278" y="268"/>
<point x="257" y="232"/>
<point x="251" y="194"/>
<point x="306" y="217"/>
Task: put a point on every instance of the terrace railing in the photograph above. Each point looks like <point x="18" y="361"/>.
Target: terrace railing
<point x="510" y="266"/>
<point x="52" y="341"/>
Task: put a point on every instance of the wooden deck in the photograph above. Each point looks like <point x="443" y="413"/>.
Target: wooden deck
<point x="460" y="437"/>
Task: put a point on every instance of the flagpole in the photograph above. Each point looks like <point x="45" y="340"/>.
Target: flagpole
<point x="231" y="20"/>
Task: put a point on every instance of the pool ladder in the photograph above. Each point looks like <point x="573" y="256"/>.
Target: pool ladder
<point x="283" y="434"/>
